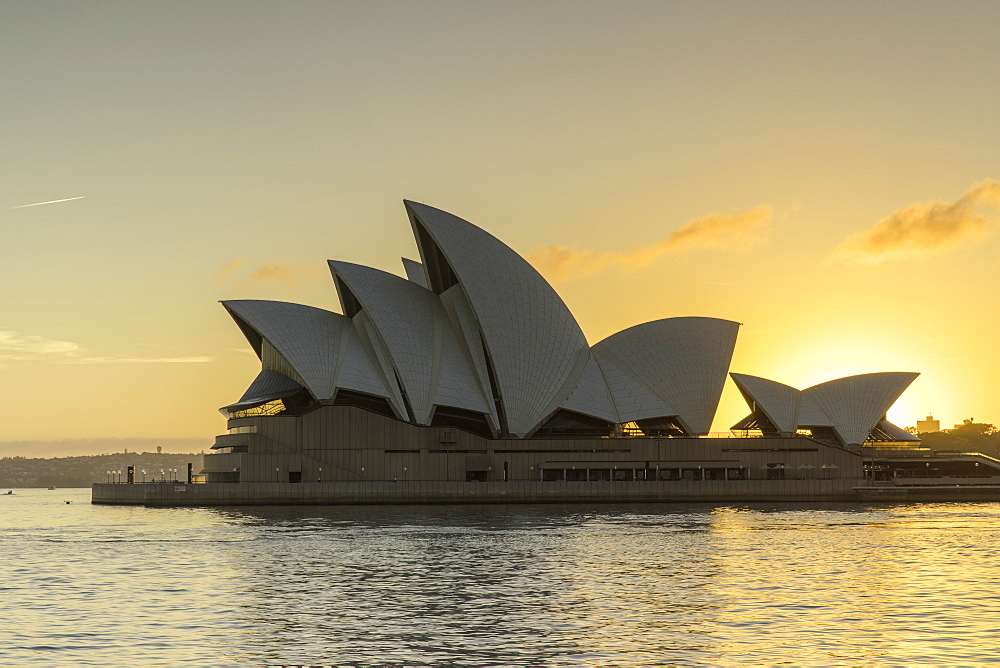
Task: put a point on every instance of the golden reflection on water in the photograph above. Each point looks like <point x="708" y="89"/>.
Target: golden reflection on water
<point x="831" y="584"/>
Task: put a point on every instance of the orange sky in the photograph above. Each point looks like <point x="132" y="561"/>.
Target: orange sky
<point x="821" y="173"/>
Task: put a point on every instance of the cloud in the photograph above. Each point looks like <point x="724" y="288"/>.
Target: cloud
<point x="199" y="359"/>
<point x="283" y="272"/>
<point x="230" y="268"/>
<point x="721" y="231"/>
<point x="14" y="346"/>
<point x="30" y="348"/>
<point x="923" y="228"/>
<point x="51" y="201"/>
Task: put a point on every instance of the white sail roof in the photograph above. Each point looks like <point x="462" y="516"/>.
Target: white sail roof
<point x="414" y="272"/>
<point x="420" y="342"/>
<point x="684" y="361"/>
<point x="779" y="402"/>
<point x="321" y="347"/>
<point x="592" y="396"/>
<point x="853" y="405"/>
<point x="531" y="337"/>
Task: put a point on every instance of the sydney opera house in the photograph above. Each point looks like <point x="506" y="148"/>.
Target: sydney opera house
<point x="469" y="380"/>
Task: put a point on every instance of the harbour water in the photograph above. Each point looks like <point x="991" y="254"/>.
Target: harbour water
<point x="823" y="584"/>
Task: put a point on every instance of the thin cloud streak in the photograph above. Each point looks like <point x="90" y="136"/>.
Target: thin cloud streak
<point x="924" y="228"/>
<point x="52" y="201"/>
<point x="199" y="359"/>
<point x="728" y="232"/>
<point x="15" y="344"/>
<point x="15" y="347"/>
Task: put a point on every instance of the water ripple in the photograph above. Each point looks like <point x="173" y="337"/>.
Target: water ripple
<point x="828" y="584"/>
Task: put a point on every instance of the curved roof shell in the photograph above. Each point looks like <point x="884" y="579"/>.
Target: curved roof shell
<point x="415" y="272"/>
<point x="321" y="348"/>
<point x="779" y="402"/>
<point x="414" y="328"/>
<point x="592" y="396"/>
<point x="853" y="405"/>
<point x="683" y="361"/>
<point x="533" y="341"/>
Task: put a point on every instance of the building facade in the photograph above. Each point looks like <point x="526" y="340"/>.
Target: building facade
<point x="471" y="369"/>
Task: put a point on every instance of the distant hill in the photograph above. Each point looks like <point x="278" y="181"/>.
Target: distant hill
<point x="95" y="446"/>
<point x="83" y="470"/>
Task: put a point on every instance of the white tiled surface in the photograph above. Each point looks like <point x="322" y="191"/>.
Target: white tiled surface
<point x="403" y="313"/>
<point x="632" y="399"/>
<point x="855" y="404"/>
<point x="315" y="343"/>
<point x="592" y="395"/>
<point x="376" y="351"/>
<point x="851" y="405"/>
<point x="269" y="383"/>
<point x="463" y="322"/>
<point x="778" y="401"/>
<point x="418" y="340"/>
<point x="457" y="384"/>
<point x="415" y="272"/>
<point x="683" y="360"/>
<point x="896" y="433"/>
<point x="308" y="338"/>
<point x="811" y="415"/>
<point x="533" y="339"/>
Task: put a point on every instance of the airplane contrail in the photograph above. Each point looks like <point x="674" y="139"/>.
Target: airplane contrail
<point x="53" y="201"/>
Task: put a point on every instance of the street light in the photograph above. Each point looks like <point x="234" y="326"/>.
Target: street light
<point x="320" y="478"/>
<point x="144" y="475"/>
<point x="277" y="475"/>
<point x="404" y="473"/>
<point x="109" y="476"/>
<point x="163" y="476"/>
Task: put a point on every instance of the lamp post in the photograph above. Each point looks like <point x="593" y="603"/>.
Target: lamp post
<point x="108" y="474"/>
<point x="404" y="473"/>
<point x="277" y="475"/>
<point x="320" y="478"/>
<point x="362" y="473"/>
<point x="144" y="476"/>
<point x="163" y="476"/>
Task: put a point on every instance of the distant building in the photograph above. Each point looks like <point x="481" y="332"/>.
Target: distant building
<point x="929" y="425"/>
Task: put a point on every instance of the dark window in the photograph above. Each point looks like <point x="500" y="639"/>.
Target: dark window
<point x="661" y="426"/>
<point x="440" y="273"/>
<point x="369" y="402"/>
<point x="471" y="421"/>
<point x="567" y="424"/>
<point x="351" y="304"/>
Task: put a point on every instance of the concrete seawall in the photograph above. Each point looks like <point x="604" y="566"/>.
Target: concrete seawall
<point x="365" y="493"/>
